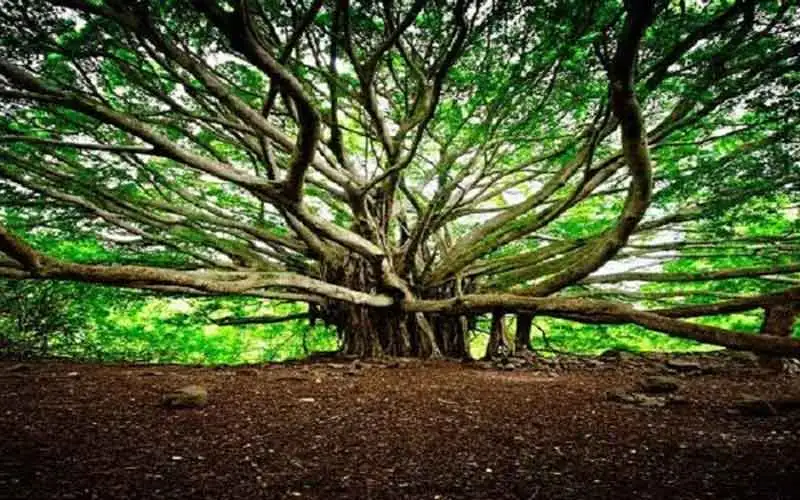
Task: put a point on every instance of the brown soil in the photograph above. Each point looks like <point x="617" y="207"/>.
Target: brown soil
<point x="434" y="431"/>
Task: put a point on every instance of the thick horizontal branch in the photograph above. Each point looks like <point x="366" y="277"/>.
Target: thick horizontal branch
<point x="39" y="266"/>
<point x="732" y="306"/>
<point x="746" y="272"/>
<point x="597" y="311"/>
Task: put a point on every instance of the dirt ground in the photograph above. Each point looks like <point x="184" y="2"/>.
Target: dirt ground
<point x="400" y="430"/>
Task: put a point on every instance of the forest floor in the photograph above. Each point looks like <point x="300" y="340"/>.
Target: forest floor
<point x="434" y="430"/>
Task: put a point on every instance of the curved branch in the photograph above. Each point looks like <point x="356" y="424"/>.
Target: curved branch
<point x="635" y="151"/>
<point x="39" y="266"/>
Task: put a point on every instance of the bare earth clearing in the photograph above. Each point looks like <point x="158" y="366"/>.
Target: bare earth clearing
<point x="417" y="430"/>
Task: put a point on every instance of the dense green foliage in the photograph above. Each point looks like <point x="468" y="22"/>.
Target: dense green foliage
<point x="101" y="324"/>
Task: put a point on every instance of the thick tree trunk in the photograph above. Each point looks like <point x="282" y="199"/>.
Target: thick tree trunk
<point x="522" y="340"/>
<point x="498" y="341"/>
<point x="361" y="331"/>
<point x="371" y="332"/>
<point x="364" y="331"/>
<point x="375" y="332"/>
<point x="451" y="331"/>
<point x="451" y="336"/>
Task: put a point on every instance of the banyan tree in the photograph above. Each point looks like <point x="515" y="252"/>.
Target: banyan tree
<point x="405" y="166"/>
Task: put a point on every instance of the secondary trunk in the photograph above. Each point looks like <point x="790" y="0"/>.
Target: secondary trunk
<point x="498" y="342"/>
<point x="451" y="335"/>
<point x="522" y="340"/>
<point x="779" y="321"/>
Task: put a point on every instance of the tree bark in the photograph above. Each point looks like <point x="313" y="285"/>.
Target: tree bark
<point x="369" y="332"/>
<point x="451" y="336"/>
<point x="779" y="319"/>
<point x="522" y="340"/>
<point x="498" y="341"/>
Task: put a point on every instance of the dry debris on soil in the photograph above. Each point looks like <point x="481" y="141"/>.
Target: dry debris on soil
<point x="402" y="429"/>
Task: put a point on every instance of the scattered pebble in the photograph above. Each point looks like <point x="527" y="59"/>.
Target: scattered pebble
<point x="190" y="396"/>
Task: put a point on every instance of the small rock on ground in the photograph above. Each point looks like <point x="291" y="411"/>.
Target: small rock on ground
<point x="634" y="398"/>
<point x="744" y="357"/>
<point x="659" y="384"/>
<point x="190" y="396"/>
<point x="684" y="365"/>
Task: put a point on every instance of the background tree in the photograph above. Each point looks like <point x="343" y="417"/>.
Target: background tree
<point x="31" y="315"/>
<point x="402" y="167"/>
